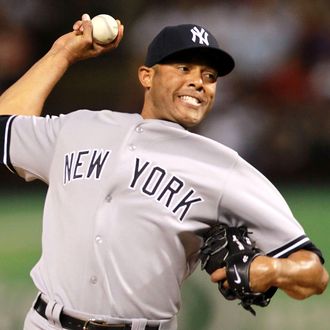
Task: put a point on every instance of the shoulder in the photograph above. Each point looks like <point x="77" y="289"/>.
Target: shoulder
<point x="95" y="117"/>
<point x="103" y="114"/>
<point x="212" y="151"/>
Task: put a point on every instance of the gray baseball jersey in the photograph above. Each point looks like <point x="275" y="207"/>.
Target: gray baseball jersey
<point x="127" y="201"/>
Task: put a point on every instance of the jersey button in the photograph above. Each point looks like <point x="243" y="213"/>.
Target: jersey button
<point x="131" y="147"/>
<point x="93" y="280"/>
<point x="139" y="129"/>
<point x="98" y="239"/>
<point x="108" y="199"/>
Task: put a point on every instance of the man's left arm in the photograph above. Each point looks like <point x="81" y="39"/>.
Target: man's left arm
<point x="300" y="275"/>
<point x="291" y="262"/>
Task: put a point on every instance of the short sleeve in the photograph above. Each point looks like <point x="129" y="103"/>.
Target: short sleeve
<point x="27" y="145"/>
<point x="256" y="203"/>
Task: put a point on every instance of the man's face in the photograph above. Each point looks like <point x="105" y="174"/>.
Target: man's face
<point x="180" y="91"/>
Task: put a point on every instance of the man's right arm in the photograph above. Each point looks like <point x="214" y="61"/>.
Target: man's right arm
<point x="28" y="95"/>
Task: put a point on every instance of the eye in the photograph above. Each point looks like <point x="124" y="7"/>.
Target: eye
<point x="210" y="76"/>
<point x="183" y="68"/>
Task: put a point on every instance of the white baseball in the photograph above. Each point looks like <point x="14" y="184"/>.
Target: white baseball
<point x="105" y="29"/>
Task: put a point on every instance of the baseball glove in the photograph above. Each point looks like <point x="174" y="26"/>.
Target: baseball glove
<point x="232" y="248"/>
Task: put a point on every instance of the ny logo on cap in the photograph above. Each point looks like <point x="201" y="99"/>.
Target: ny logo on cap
<point x="201" y="34"/>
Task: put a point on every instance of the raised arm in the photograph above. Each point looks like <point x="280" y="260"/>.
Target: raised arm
<point x="300" y="275"/>
<point x="28" y="95"/>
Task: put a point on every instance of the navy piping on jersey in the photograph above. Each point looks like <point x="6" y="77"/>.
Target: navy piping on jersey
<point x="5" y="133"/>
<point x="299" y="243"/>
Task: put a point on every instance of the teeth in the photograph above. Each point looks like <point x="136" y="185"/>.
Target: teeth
<point x="190" y="100"/>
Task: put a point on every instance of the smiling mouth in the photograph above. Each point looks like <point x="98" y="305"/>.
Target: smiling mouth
<point x="190" y="100"/>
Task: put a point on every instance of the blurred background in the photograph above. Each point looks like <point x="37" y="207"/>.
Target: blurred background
<point x="273" y="109"/>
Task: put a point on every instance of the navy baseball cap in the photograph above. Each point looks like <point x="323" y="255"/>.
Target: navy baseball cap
<point x="186" y="39"/>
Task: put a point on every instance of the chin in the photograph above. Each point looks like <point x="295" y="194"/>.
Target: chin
<point x="195" y="120"/>
<point x="190" y="118"/>
<point x="190" y="123"/>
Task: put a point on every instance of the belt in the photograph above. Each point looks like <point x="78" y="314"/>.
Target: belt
<point x="72" y="323"/>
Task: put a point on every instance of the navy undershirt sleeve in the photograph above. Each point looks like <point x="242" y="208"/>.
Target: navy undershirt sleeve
<point x="5" y="133"/>
<point x="308" y="245"/>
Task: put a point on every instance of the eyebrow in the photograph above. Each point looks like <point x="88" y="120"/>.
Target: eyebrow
<point x="206" y="66"/>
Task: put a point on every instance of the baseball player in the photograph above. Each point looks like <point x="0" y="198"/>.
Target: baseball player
<point x="129" y="195"/>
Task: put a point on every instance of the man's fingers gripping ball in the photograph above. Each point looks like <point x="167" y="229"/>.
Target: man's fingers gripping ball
<point x="78" y="26"/>
<point x="105" y="29"/>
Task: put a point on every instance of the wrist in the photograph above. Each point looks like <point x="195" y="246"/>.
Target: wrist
<point x="276" y="273"/>
<point x="60" y="58"/>
<point x="264" y="272"/>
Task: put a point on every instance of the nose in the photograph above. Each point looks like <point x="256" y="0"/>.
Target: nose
<point x="196" y="80"/>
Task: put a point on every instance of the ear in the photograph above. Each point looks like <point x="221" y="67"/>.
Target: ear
<point x="145" y="76"/>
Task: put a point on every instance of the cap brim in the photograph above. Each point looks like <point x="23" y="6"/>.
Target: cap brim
<point x="215" y="57"/>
